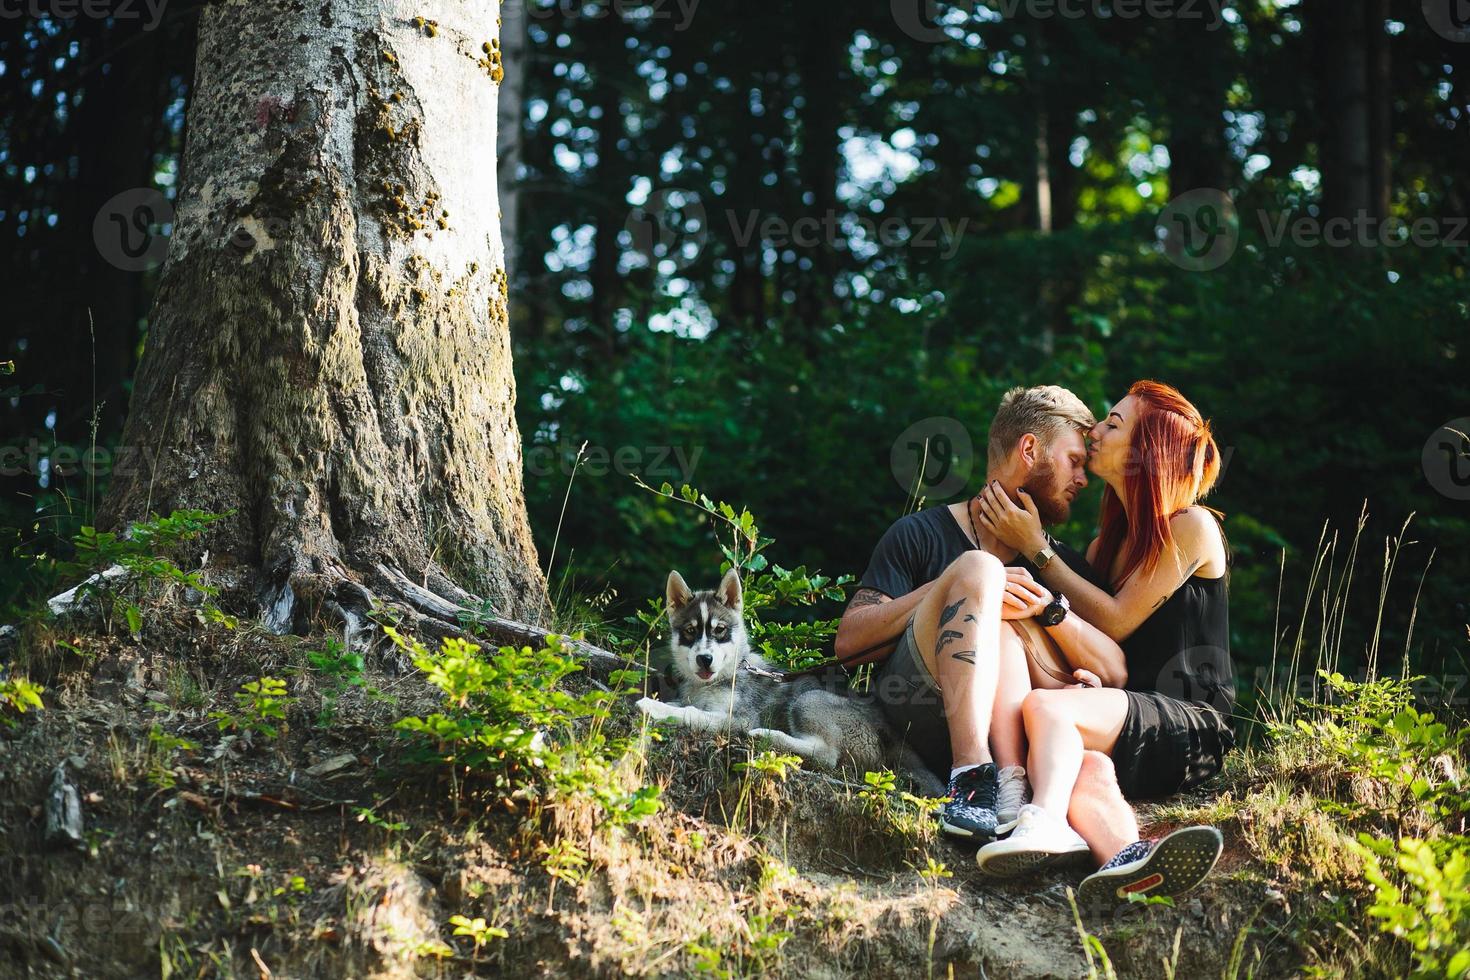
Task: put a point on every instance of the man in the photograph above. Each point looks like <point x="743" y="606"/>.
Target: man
<point x="934" y="598"/>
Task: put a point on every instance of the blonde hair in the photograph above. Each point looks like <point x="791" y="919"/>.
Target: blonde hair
<point x="1043" y="411"/>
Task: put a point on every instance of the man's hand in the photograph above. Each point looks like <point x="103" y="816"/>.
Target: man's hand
<point x="1024" y="597"/>
<point x="1017" y="527"/>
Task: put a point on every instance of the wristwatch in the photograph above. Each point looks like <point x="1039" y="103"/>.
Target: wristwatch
<point x="1043" y="557"/>
<point x="1055" y="611"/>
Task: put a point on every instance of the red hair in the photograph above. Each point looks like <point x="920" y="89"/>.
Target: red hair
<point x="1172" y="462"/>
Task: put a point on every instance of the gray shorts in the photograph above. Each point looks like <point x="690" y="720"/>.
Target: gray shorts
<point x="911" y="702"/>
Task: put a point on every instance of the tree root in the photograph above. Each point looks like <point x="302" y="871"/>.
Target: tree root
<point x="440" y="617"/>
<point x="348" y="602"/>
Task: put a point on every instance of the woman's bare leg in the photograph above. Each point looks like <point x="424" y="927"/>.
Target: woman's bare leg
<point x="1060" y="727"/>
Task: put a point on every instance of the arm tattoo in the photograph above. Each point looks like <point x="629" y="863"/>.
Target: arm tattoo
<point x="946" y="637"/>
<point x="970" y="618"/>
<point x="949" y="611"/>
<point x="865" y="597"/>
<point x="964" y="656"/>
<point x="1187" y="576"/>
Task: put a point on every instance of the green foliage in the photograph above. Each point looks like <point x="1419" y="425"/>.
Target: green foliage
<point x="765" y="587"/>
<point x="774" y="764"/>
<point x="799" y="419"/>
<point x="18" y="695"/>
<point x="260" y="704"/>
<point x="162" y="747"/>
<point x="910" y="815"/>
<point x="1428" y="907"/>
<point x="934" y="871"/>
<point x="508" y="717"/>
<point x="1373" y="729"/>
<point x="369" y="816"/>
<point x="144" y="553"/>
<point x="1099" y="963"/>
<point x="342" y="668"/>
<point x="565" y="861"/>
<point x="477" y="930"/>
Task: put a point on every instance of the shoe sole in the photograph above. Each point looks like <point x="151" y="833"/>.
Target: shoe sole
<point x="1006" y="826"/>
<point x="1179" y="862"/>
<point x="955" y="830"/>
<point x="1014" y="864"/>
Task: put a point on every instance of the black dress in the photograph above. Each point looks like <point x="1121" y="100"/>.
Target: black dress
<point x="1181" y="693"/>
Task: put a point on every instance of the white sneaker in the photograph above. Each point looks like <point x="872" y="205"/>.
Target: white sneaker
<point x="1012" y="793"/>
<point x="1039" y="841"/>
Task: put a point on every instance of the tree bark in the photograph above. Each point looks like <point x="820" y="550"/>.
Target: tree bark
<point x="1380" y="95"/>
<point x="329" y="354"/>
<point x="1346" y="165"/>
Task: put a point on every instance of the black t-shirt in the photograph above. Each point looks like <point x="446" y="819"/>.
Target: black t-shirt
<point x="917" y="548"/>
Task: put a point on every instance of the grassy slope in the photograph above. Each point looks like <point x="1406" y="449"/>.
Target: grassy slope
<point x="240" y="856"/>
<point x="739" y="873"/>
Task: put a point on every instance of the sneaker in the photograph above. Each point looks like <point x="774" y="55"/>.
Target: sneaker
<point x="1012" y="792"/>
<point x="970" y="811"/>
<point x="1169" y="866"/>
<point x="1039" y="841"/>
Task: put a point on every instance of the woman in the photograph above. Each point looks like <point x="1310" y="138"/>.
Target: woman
<point x="1168" y="728"/>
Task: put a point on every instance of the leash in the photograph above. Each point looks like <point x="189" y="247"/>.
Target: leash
<point x="786" y="676"/>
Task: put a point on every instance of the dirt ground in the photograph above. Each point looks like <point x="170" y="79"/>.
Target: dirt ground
<point x="325" y="853"/>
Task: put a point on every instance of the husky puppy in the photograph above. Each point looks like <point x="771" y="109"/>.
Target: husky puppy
<point x="723" y="686"/>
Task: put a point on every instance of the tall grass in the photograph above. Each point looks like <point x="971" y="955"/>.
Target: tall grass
<point x="1318" y="644"/>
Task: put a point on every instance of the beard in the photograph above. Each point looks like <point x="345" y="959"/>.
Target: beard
<point x="1047" y="493"/>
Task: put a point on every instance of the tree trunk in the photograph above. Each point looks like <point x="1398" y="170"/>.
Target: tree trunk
<point x="1346" y="165"/>
<point x="328" y="354"/>
<point x="1380" y="94"/>
<point x="509" y="137"/>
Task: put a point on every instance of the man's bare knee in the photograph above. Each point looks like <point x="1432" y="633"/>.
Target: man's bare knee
<point x="975" y="573"/>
